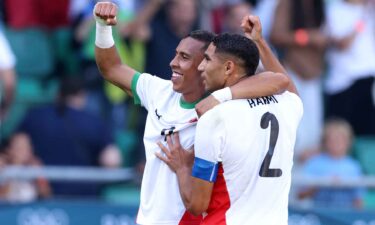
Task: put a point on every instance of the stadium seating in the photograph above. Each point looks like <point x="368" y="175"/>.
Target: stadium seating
<point x="33" y="52"/>
<point x="364" y="151"/>
<point x="125" y="140"/>
<point x="127" y="194"/>
<point x="61" y="40"/>
<point x="35" y="63"/>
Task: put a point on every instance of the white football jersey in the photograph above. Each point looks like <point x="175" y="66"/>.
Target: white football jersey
<point x="161" y="202"/>
<point x="246" y="148"/>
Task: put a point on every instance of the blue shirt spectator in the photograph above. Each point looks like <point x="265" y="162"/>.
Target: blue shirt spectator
<point x="63" y="134"/>
<point x="325" y="166"/>
<point x="335" y="164"/>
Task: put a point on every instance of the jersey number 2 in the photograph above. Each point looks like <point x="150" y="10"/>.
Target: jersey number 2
<point x="265" y="170"/>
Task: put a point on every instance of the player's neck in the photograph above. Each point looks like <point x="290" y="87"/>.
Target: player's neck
<point x="234" y="80"/>
<point x="193" y="96"/>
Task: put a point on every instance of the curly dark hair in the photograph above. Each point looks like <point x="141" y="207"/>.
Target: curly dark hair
<point x="240" y="47"/>
<point x="203" y="36"/>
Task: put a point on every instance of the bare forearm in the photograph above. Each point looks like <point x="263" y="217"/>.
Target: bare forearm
<point x="271" y="63"/>
<point x="106" y="55"/>
<point x="269" y="60"/>
<point x="185" y="185"/>
<point x="107" y="59"/>
<point x="112" y="69"/>
<point x="8" y="78"/>
<point x="282" y="40"/>
<point x="281" y="35"/>
<point x="343" y="43"/>
<point x="273" y="81"/>
<point x="262" y="84"/>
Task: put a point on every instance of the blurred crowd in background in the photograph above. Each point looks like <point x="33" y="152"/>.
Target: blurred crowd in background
<point x="56" y="110"/>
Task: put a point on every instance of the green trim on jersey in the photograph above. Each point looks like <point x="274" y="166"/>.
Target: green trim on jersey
<point x="188" y="105"/>
<point x="137" y="100"/>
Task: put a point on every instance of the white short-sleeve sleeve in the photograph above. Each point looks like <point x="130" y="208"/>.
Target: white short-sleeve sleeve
<point x="297" y="102"/>
<point x="146" y="87"/>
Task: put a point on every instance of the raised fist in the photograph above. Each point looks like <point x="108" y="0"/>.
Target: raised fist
<point x="252" y="27"/>
<point x="105" y="13"/>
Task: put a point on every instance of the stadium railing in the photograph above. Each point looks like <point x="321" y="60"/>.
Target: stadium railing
<point x="96" y="174"/>
<point x="68" y="173"/>
<point x="104" y="213"/>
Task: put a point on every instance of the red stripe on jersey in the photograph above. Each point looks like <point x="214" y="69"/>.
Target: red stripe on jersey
<point x="219" y="203"/>
<point x="190" y="219"/>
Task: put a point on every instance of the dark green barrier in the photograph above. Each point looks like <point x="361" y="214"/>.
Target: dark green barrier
<point x="331" y="217"/>
<point x="68" y="213"/>
<point x="99" y="213"/>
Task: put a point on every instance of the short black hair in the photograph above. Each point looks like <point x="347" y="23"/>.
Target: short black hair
<point x="70" y="85"/>
<point x="203" y="36"/>
<point x="240" y="47"/>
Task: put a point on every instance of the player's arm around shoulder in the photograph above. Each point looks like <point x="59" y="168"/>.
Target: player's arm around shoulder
<point x="106" y="56"/>
<point x="273" y="81"/>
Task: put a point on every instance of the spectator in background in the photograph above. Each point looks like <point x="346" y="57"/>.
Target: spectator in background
<point x="176" y="20"/>
<point x="297" y="31"/>
<point x="20" y="153"/>
<point x="351" y="64"/>
<point x="265" y="9"/>
<point x="63" y="134"/>
<point x="7" y="75"/>
<point x="234" y="13"/>
<point x="2" y="11"/>
<point x="213" y="13"/>
<point x="3" y="147"/>
<point x="334" y="163"/>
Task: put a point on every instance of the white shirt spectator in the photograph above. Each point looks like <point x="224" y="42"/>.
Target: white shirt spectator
<point x="7" y="59"/>
<point x="358" y="60"/>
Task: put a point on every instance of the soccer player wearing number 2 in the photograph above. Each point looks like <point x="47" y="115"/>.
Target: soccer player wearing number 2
<point x="243" y="148"/>
<point x="170" y="104"/>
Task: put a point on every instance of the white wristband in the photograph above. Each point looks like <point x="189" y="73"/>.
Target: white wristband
<point x="103" y="38"/>
<point x="223" y="95"/>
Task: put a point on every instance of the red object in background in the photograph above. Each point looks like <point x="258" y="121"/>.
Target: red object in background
<point x="22" y="13"/>
<point x="54" y="13"/>
<point x="217" y="17"/>
<point x="301" y="37"/>
<point x="360" y="26"/>
<point x="37" y="13"/>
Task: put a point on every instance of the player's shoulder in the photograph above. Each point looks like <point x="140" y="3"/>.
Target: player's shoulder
<point x="225" y="110"/>
<point x="290" y="97"/>
<point x="292" y="102"/>
<point x="153" y="82"/>
<point x="154" y="78"/>
<point x="230" y="106"/>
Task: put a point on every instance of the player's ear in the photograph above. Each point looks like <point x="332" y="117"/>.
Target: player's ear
<point x="229" y="67"/>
